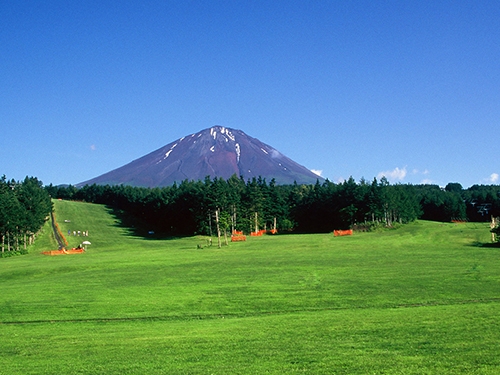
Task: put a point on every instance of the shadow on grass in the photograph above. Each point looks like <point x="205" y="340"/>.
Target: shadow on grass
<point x="139" y="228"/>
<point x="495" y="245"/>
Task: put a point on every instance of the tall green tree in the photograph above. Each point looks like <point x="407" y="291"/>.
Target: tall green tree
<point x="24" y="207"/>
<point x="10" y="212"/>
<point x="36" y="207"/>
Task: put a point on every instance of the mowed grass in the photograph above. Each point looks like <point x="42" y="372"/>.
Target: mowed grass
<point x="423" y="299"/>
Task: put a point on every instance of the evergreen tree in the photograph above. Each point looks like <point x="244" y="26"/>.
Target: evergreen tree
<point x="24" y="207"/>
<point x="35" y="207"/>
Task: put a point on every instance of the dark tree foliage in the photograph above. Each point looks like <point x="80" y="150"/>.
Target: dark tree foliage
<point x="190" y="207"/>
<point x="441" y="205"/>
<point x="482" y="201"/>
<point x="24" y="208"/>
<point x="321" y="208"/>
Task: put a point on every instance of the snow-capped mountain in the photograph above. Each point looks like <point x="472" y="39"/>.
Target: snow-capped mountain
<point x="214" y="152"/>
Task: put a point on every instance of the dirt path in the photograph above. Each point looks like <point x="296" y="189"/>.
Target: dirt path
<point x="58" y="238"/>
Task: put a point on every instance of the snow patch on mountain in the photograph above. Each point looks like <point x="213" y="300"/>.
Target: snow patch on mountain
<point x="238" y="152"/>
<point x="230" y="135"/>
<point x="169" y="151"/>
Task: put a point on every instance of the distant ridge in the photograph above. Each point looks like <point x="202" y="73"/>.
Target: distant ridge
<point x="216" y="152"/>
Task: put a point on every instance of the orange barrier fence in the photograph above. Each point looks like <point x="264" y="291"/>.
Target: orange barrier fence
<point x="338" y="232"/>
<point x="75" y="251"/>
<point x="239" y="237"/>
<point x="53" y="252"/>
<point x="63" y="252"/>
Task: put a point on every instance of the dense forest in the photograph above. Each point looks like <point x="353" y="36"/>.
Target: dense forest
<point x="199" y="207"/>
<point x="24" y="208"/>
<point x="194" y="207"/>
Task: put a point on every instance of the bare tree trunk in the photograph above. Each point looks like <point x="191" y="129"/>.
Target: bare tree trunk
<point x="493" y="224"/>
<point x="233" y="219"/>
<point x="218" y="228"/>
<point x="256" y="223"/>
<point x="210" y="222"/>
<point x="388" y="217"/>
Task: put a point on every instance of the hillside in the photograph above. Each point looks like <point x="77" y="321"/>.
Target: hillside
<point x="420" y="299"/>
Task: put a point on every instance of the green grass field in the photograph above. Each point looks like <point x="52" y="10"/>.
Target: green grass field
<point x="422" y="299"/>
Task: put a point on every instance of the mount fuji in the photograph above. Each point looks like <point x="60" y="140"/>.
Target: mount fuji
<point x="216" y="152"/>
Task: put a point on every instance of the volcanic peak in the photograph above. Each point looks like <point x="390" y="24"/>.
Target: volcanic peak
<point x="216" y="152"/>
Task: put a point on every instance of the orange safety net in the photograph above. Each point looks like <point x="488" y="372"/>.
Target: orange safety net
<point x="338" y="232"/>
<point x="63" y="252"/>
<point x="239" y="237"/>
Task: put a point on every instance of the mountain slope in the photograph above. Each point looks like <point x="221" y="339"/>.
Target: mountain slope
<point x="214" y="152"/>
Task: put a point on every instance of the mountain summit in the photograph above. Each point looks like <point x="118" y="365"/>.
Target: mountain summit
<point x="214" y="152"/>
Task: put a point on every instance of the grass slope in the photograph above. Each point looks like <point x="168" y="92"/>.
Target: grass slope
<point x="423" y="299"/>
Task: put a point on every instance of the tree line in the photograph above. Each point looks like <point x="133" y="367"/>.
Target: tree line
<point x="24" y="208"/>
<point x="200" y="207"/>
<point x="203" y="207"/>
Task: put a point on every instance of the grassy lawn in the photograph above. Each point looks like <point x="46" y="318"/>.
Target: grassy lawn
<point x="423" y="299"/>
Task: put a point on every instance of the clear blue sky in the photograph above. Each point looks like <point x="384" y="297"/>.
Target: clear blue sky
<point x="409" y="89"/>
